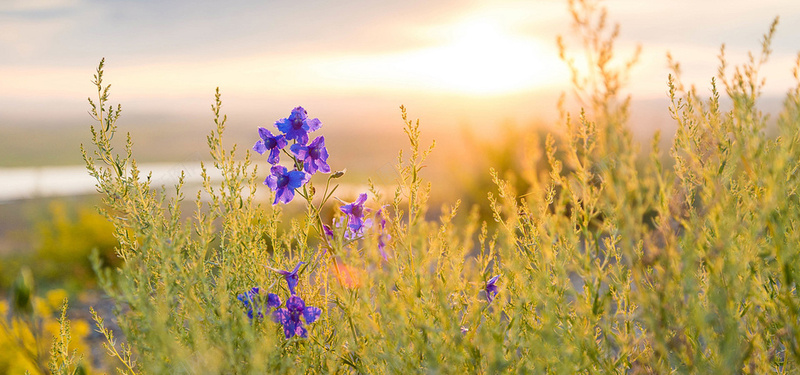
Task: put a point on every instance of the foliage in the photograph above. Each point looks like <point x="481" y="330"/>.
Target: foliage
<point x="599" y="267"/>
<point x="30" y="324"/>
<point x="67" y="238"/>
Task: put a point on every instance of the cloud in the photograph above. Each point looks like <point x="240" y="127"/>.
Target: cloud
<point x="29" y="38"/>
<point x="30" y="6"/>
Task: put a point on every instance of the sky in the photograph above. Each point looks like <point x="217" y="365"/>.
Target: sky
<point x="451" y="63"/>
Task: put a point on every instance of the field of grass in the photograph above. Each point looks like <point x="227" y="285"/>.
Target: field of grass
<point x="576" y="252"/>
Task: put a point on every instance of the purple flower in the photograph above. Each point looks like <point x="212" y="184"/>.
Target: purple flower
<point x="491" y="288"/>
<point x="355" y="215"/>
<point x="383" y="237"/>
<point x="314" y="156"/>
<point x="271" y="143"/>
<point x="291" y="277"/>
<point x="289" y="317"/>
<point x="297" y="125"/>
<point x="328" y="231"/>
<point x="284" y="182"/>
<point x="273" y="301"/>
<point x="251" y="303"/>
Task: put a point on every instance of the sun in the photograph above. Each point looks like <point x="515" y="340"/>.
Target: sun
<point x="480" y="57"/>
<point x="475" y="56"/>
<point x="484" y="59"/>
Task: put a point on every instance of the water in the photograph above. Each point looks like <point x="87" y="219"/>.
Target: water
<point x="48" y="182"/>
<point x="45" y="182"/>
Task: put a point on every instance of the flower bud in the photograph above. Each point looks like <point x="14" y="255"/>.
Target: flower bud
<point x="339" y="173"/>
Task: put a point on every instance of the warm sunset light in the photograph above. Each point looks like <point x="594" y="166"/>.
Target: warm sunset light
<point x="484" y="59"/>
<point x="476" y="57"/>
<point x="437" y="186"/>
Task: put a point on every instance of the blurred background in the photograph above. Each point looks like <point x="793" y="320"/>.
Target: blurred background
<point x="477" y="74"/>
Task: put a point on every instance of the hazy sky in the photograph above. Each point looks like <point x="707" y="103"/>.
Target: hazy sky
<point x="443" y="58"/>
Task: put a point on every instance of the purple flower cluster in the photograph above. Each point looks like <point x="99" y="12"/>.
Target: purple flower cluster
<point x="309" y="158"/>
<point x="290" y="316"/>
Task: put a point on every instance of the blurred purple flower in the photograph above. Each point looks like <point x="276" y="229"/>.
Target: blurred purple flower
<point x="328" y="231"/>
<point x="383" y="236"/>
<point x="353" y="232"/>
<point x="289" y="317"/>
<point x="271" y="143"/>
<point x="355" y="215"/>
<point x="284" y="182"/>
<point x="251" y="303"/>
<point x="314" y="156"/>
<point x="298" y="125"/>
<point x="491" y="288"/>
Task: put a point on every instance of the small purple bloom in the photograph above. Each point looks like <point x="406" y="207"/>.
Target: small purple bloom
<point x="273" y="301"/>
<point x="383" y="237"/>
<point x="298" y="125"/>
<point x="355" y="215"/>
<point x="289" y="317"/>
<point x="291" y="277"/>
<point x="271" y="143"/>
<point x="314" y="156"/>
<point x="284" y="182"/>
<point x="491" y="288"/>
<point x="250" y="301"/>
<point x="356" y="231"/>
<point x="328" y="231"/>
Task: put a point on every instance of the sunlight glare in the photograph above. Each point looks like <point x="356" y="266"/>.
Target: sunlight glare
<point x="478" y="58"/>
<point x="482" y="59"/>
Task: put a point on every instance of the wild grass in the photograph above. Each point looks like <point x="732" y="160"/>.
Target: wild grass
<point x="604" y="262"/>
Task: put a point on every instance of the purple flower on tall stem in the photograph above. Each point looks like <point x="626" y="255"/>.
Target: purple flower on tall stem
<point x="284" y="182"/>
<point x="298" y="125"/>
<point x="491" y="288"/>
<point x="355" y="215"/>
<point x="271" y="143"/>
<point x="314" y="156"/>
<point x="291" y="277"/>
<point x="289" y="317"/>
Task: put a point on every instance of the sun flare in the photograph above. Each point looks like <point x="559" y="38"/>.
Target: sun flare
<point x="484" y="59"/>
<point x="475" y="57"/>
